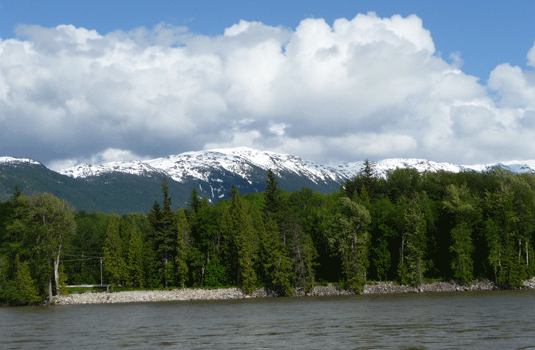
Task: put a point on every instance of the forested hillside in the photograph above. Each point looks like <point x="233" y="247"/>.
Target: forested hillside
<point x="408" y="227"/>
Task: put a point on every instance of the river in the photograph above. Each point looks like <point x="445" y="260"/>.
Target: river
<point x="470" y="320"/>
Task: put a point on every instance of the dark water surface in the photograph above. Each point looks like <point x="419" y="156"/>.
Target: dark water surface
<point x="473" y="320"/>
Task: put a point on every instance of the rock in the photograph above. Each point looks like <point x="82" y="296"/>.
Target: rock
<point x="237" y="293"/>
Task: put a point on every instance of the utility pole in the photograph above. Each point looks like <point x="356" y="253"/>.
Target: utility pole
<point x="100" y="270"/>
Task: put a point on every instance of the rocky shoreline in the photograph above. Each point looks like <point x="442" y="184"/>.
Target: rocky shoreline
<point x="188" y="294"/>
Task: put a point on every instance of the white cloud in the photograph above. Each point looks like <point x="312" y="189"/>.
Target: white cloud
<point x="368" y="87"/>
<point x="277" y="128"/>
<point x="107" y="156"/>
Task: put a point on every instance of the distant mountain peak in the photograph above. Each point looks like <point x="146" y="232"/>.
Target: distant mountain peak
<point x="134" y="185"/>
<point x="15" y="160"/>
<point x="241" y="161"/>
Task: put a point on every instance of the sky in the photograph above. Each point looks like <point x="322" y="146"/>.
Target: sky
<point x="332" y="82"/>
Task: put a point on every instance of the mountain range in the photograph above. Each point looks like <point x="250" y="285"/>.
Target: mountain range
<point x="124" y="187"/>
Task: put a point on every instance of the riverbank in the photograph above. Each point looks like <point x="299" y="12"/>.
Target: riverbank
<point x="236" y="293"/>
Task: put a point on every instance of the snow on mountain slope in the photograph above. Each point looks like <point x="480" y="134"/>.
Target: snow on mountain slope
<point x="205" y="165"/>
<point x="87" y="170"/>
<point x="515" y="166"/>
<point x="382" y="167"/>
<point x="13" y="160"/>
<point x="239" y="161"/>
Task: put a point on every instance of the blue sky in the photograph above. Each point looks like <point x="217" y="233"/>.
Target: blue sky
<point x="242" y="86"/>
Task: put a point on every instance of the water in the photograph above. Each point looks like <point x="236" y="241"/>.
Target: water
<point x="475" y="320"/>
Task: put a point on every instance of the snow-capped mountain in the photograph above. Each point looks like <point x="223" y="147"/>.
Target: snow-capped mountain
<point x="124" y="187"/>
<point x="87" y="170"/>
<point x="242" y="161"/>
<point x="204" y="164"/>
<point x="381" y="168"/>
<point x="14" y="161"/>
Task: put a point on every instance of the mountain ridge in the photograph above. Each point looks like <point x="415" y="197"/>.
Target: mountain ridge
<point x="173" y="164"/>
<point x="123" y="187"/>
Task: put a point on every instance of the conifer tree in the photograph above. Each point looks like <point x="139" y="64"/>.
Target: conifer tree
<point x="458" y="203"/>
<point x="114" y="263"/>
<point x="183" y="233"/>
<point x="247" y="251"/>
<point x="155" y="219"/>
<point x="26" y="287"/>
<point x="368" y="179"/>
<point x="166" y="237"/>
<point x="413" y="249"/>
<point x="349" y="237"/>
<point x="135" y="260"/>
<point x="304" y="255"/>
<point x="384" y="232"/>
<point x="246" y="242"/>
<point x="272" y="194"/>
<point x="229" y="251"/>
<point x="277" y="263"/>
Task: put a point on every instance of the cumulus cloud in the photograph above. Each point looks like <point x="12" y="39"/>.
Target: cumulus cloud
<point x="368" y="87"/>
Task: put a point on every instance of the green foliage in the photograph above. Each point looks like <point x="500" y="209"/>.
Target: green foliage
<point x="114" y="264"/>
<point x="412" y="227"/>
<point x="27" y="290"/>
<point x="383" y="232"/>
<point x="272" y="195"/>
<point x="277" y="263"/>
<point x="135" y="260"/>
<point x="216" y="274"/>
<point x="349" y="237"/>
<point x="62" y="290"/>
<point x="459" y="202"/>
<point x="183" y="234"/>
<point x="413" y="245"/>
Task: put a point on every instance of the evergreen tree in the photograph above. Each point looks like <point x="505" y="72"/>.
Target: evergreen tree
<point x="368" y="180"/>
<point x="383" y="232"/>
<point x="277" y="263"/>
<point x="458" y="202"/>
<point x="349" y="237"/>
<point x="247" y="254"/>
<point x="194" y="203"/>
<point x="27" y="290"/>
<point x="229" y="252"/>
<point x="183" y="234"/>
<point x="413" y="248"/>
<point x="272" y="195"/>
<point x="114" y="264"/>
<point x="155" y="220"/>
<point x="246" y="242"/>
<point x="166" y="236"/>
<point x="304" y="255"/>
<point x="135" y="260"/>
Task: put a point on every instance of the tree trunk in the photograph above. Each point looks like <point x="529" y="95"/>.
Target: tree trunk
<point x="527" y="254"/>
<point x="49" y="290"/>
<point x="56" y="270"/>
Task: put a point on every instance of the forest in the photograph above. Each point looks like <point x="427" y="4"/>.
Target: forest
<point x="410" y="228"/>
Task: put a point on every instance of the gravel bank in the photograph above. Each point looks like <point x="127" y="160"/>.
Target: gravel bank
<point x="236" y="293"/>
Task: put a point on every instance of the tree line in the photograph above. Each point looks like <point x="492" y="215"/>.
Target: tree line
<point x="406" y="228"/>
